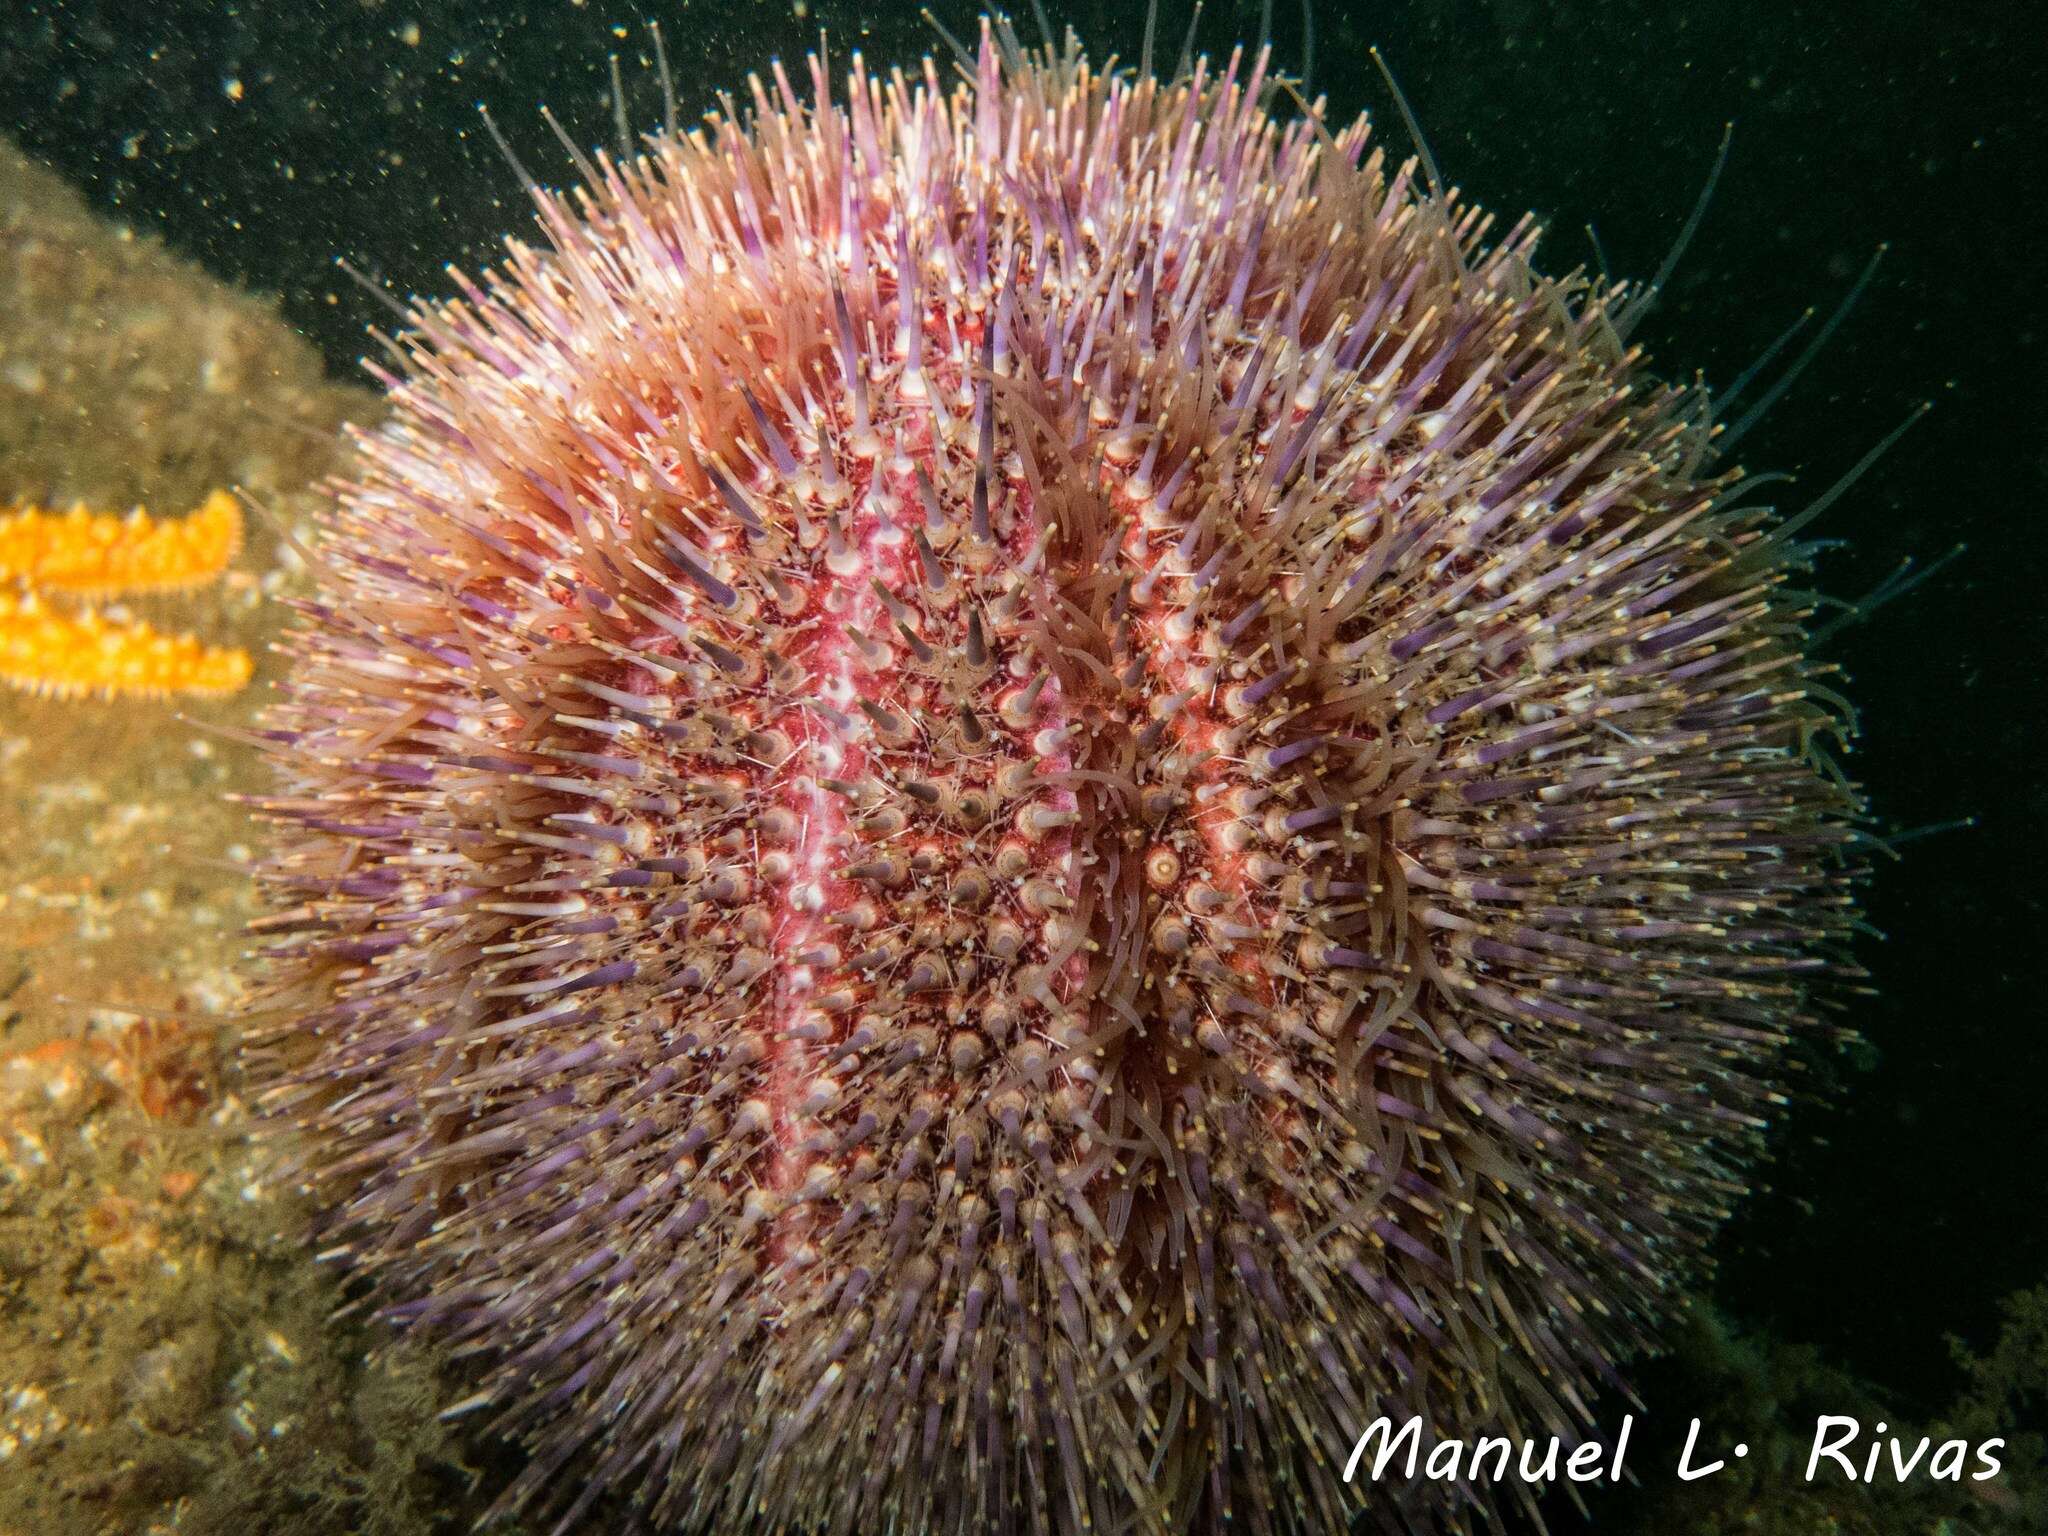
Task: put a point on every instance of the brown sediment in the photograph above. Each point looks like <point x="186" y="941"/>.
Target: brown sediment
<point x="168" y="1360"/>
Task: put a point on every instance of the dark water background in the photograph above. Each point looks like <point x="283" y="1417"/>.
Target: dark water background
<point x="1908" y="1202"/>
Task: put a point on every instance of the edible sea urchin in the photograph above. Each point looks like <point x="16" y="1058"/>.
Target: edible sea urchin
<point x="1006" y="802"/>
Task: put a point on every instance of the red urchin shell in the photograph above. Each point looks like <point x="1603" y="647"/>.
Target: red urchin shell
<point x="1004" y="804"/>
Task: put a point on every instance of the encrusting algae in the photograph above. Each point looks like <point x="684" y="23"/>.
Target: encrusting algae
<point x="83" y="555"/>
<point x="168" y="1359"/>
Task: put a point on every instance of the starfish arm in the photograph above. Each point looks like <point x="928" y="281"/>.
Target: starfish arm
<point x="86" y="554"/>
<point x="70" y="655"/>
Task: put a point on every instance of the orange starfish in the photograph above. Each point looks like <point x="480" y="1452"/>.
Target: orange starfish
<point x="79" y="554"/>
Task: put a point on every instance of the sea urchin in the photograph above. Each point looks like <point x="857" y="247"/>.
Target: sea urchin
<point x="1005" y="801"/>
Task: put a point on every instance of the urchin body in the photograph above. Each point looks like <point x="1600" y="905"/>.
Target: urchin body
<point x="1006" y="803"/>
